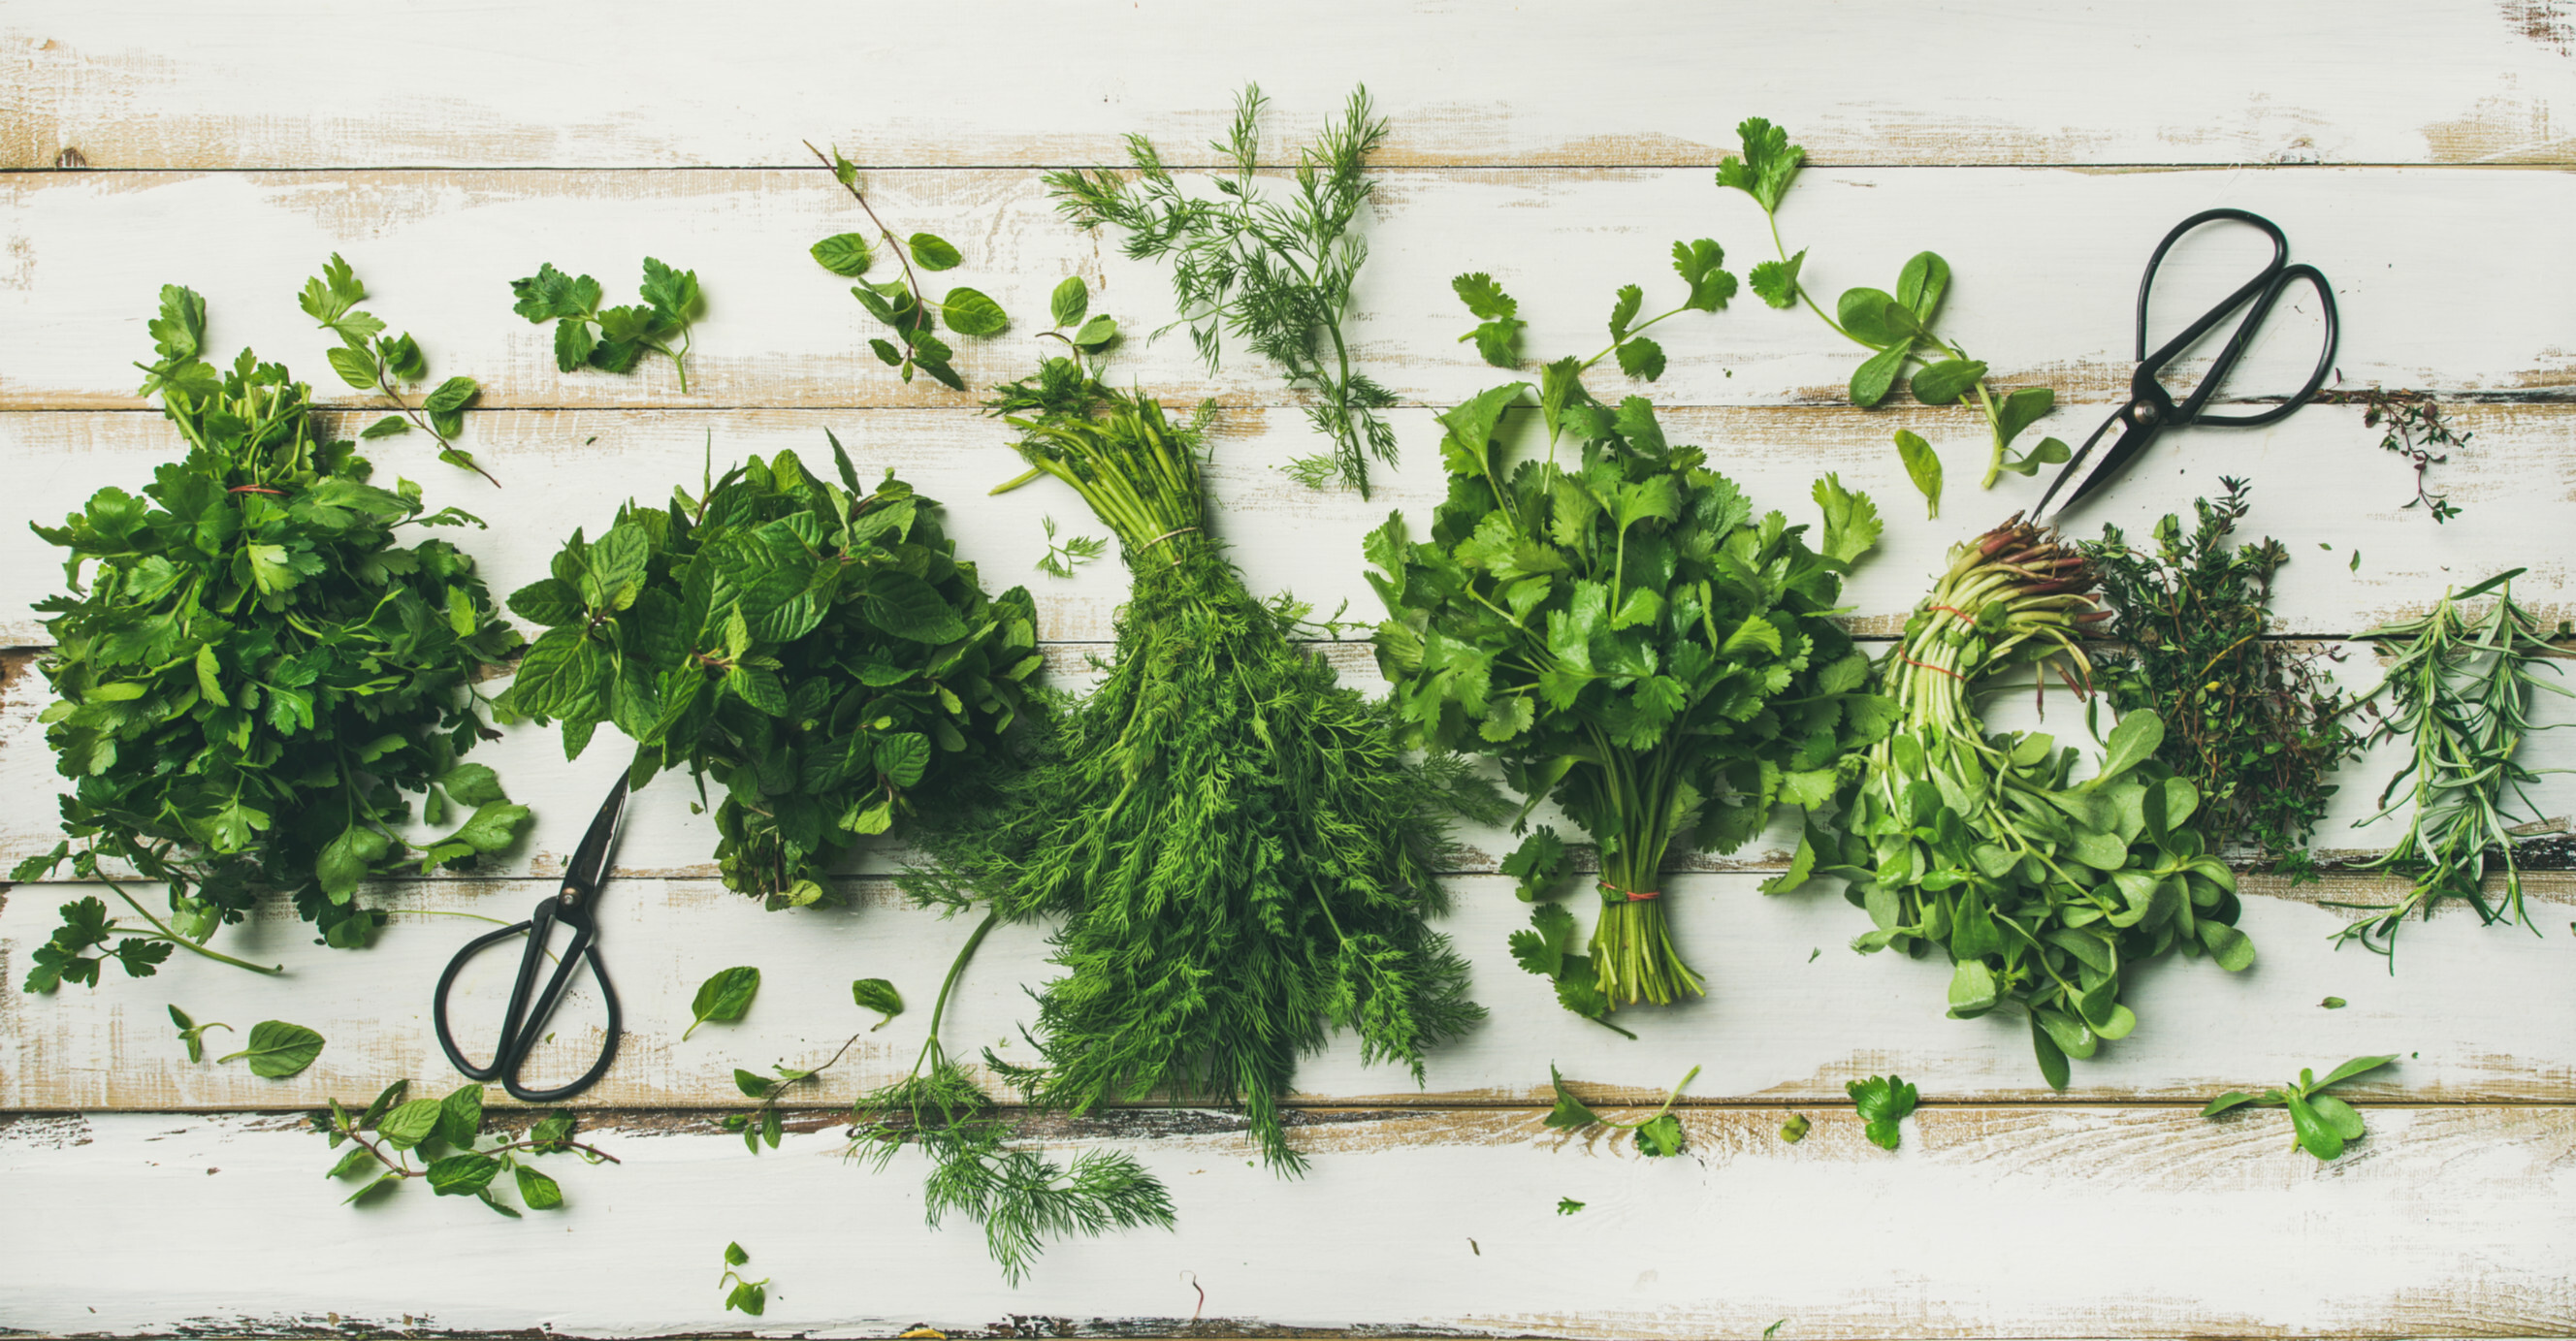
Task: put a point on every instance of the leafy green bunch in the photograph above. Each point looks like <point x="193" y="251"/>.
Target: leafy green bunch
<point x="2255" y="724"/>
<point x="1240" y="854"/>
<point x="2459" y="690"/>
<point x="1274" y="275"/>
<point x="1022" y="1199"/>
<point x="1613" y="623"/>
<point x="2040" y="888"/>
<point x="616" y="338"/>
<point x="370" y="362"/>
<point x="256" y="675"/>
<point x="446" y="1135"/>
<point x="1896" y="328"/>
<point x="902" y="305"/>
<point x="814" y="647"/>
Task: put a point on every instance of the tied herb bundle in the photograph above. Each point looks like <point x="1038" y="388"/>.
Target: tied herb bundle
<point x="814" y="647"/>
<point x="2255" y="724"/>
<point x="2040" y="888"/>
<point x="2459" y="691"/>
<point x="1275" y="276"/>
<point x="256" y="675"/>
<point x="1624" y="635"/>
<point x="1242" y="858"/>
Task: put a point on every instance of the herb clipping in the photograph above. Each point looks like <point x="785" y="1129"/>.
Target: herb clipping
<point x="275" y="1049"/>
<point x="2458" y="692"/>
<point x="193" y="1034"/>
<point x="1882" y="1103"/>
<point x="765" y="1123"/>
<point x="1896" y="327"/>
<point x="1274" y="275"/>
<point x="2320" y="1123"/>
<point x="1242" y="856"/>
<point x="2416" y="432"/>
<point x="724" y="998"/>
<point x="370" y="362"/>
<point x="903" y="305"/>
<point x="1616" y="626"/>
<point x="255" y="675"/>
<point x="446" y="1136"/>
<point x="2255" y="723"/>
<point x="2040" y="889"/>
<point x="1658" y="1133"/>
<point x="810" y="644"/>
<point x="751" y="1296"/>
<point x="614" y="339"/>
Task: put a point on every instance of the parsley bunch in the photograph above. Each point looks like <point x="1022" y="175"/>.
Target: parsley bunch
<point x="1896" y="328"/>
<point x="1614" y="624"/>
<point x="1276" y="276"/>
<point x="256" y="674"/>
<point x="2041" y="889"/>
<point x="2254" y="723"/>
<point x="1242" y="858"/>
<point x="814" y="647"/>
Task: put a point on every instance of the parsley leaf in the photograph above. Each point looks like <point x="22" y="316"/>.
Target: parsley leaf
<point x="1883" y="1102"/>
<point x="623" y="335"/>
<point x="1769" y="164"/>
<point x="1498" y="339"/>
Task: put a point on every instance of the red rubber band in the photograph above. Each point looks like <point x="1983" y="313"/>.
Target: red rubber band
<point x="1631" y="895"/>
<point x="1929" y="666"/>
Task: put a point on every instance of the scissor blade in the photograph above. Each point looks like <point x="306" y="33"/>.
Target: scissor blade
<point x="589" y="863"/>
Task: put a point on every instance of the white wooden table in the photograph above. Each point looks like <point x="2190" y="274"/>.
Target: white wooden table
<point x="2416" y="150"/>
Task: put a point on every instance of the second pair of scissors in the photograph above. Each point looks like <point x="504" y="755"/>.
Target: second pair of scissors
<point x="2151" y="409"/>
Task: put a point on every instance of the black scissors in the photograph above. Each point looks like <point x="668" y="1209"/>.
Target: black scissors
<point x="523" y="1024"/>
<point x="2151" y="409"/>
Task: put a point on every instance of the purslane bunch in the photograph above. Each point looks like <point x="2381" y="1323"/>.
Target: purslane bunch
<point x="812" y="645"/>
<point x="256" y="675"/>
<point x="1241" y="856"/>
<point x="2041" y="889"/>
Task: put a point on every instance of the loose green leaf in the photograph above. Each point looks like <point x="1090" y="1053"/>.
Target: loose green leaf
<point x="723" y="998"/>
<point x="1069" y="302"/>
<point x="277" y="1049"/>
<point x="1795" y="1129"/>
<point x="1882" y="1102"/>
<point x="878" y="995"/>
<point x="1922" y="466"/>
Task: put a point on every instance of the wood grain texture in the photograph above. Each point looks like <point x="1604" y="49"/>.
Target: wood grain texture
<point x="1987" y="1222"/>
<point x="1791" y="1012"/>
<point x="646" y="85"/>
<point x="2436" y="274"/>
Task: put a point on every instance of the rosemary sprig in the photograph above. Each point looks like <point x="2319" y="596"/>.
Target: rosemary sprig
<point x="1275" y="276"/>
<point x="2459" y="690"/>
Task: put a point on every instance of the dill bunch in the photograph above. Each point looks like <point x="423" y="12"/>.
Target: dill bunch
<point x="1275" y="276"/>
<point x="1021" y="1198"/>
<point x="2257" y="725"/>
<point x="1241" y="855"/>
<point x="2459" y="692"/>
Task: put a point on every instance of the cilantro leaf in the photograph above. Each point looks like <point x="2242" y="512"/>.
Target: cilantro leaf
<point x="1698" y="263"/>
<point x="1570" y="1112"/>
<point x="1852" y="526"/>
<point x="1498" y="339"/>
<point x="1882" y="1102"/>
<point x="1769" y="164"/>
<point x="1776" y="282"/>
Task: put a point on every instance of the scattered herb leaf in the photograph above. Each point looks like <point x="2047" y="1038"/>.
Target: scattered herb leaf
<point x="277" y="1049"/>
<point x="193" y="1033"/>
<point x="723" y="998"/>
<point x="1882" y="1102"/>
<point x="2320" y="1123"/>
<point x="617" y="338"/>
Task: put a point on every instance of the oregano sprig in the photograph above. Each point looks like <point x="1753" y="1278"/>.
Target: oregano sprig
<point x="1896" y="328"/>
<point x="370" y="362"/>
<point x="446" y="1136"/>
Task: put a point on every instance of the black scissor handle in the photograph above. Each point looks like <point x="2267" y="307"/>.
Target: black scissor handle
<point x="2261" y="292"/>
<point x="522" y="1022"/>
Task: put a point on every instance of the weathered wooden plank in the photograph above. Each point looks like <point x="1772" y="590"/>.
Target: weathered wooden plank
<point x="2046" y="263"/>
<point x="1791" y="1013"/>
<point x="2319" y="481"/>
<point x="149" y="85"/>
<point x="1988" y="1222"/>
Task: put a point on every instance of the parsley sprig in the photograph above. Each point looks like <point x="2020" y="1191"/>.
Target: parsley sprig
<point x="256" y="674"/>
<point x="1896" y="328"/>
<point x="1275" y="275"/>
<point x="616" y="338"/>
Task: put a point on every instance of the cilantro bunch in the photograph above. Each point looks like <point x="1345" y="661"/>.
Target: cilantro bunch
<point x="813" y="647"/>
<point x="1613" y="623"/>
<point x="2040" y="889"/>
<point x="256" y="674"/>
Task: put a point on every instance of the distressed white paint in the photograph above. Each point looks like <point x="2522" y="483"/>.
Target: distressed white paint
<point x="649" y="84"/>
<point x="2070" y="1222"/>
<point x="2443" y="277"/>
<point x="2124" y="1216"/>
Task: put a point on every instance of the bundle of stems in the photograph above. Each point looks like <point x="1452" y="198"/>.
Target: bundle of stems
<point x="2460" y="691"/>
<point x="1241" y="856"/>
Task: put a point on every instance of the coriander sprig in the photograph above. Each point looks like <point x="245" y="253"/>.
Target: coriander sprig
<point x="1897" y="328"/>
<point x="625" y="334"/>
<point x="1276" y="276"/>
<point x="1658" y="1133"/>
<point x="370" y="362"/>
